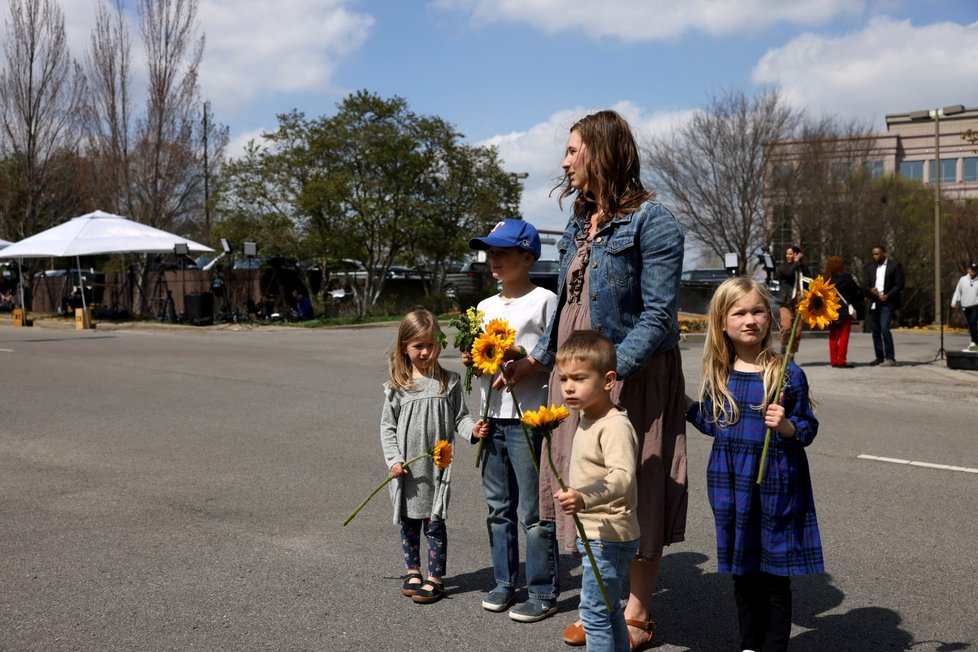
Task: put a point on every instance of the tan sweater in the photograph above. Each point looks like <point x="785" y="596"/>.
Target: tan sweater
<point x="602" y="467"/>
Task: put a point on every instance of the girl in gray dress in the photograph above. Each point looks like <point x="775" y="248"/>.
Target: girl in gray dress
<point x="423" y="404"/>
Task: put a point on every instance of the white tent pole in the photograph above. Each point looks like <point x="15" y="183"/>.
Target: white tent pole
<point x="81" y="284"/>
<point x="20" y="277"/>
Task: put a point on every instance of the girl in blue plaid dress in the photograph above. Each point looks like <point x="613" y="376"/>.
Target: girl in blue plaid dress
<point x="766" y="533"/>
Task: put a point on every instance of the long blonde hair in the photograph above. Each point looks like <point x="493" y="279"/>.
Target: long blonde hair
<point x="415" y="325"/>
<point x="719" y="353"/>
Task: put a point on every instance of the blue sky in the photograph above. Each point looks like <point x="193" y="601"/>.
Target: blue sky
<point x="518" y="73"/>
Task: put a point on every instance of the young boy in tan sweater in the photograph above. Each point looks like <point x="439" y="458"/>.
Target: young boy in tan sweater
<point x="601" y="483"/>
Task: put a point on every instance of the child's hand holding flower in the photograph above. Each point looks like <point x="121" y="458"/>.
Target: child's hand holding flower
<point x="776" y="420"/>
<point x="481" y="429"/>
<point x="571" y="500"/>
<point x="440" y="454"/>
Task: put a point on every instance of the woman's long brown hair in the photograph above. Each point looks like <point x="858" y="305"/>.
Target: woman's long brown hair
<point x="613" y="168"/>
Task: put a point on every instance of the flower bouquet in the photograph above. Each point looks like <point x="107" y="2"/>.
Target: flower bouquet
<point x="819" y="307"/>
<point x="468" y="325"/>
<point x="440" y="454"/>
<point x="544" y="421"/>
<point x="488" y="354"/>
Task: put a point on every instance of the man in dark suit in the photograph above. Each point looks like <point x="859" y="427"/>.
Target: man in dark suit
<point x="790" y="290"/>
<point x="883" y="284"/>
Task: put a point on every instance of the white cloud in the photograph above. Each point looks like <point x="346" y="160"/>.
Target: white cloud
<point x="641" y="20"/>
<point x="257" y="48"/>
<point x="254" y="48"/>
<point x="540" y="149"/>
<point x="890" y="66"/>
<point x="238" y="142"/>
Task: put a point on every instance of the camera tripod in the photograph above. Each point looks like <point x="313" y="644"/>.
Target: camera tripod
<point x="164" y="307"/>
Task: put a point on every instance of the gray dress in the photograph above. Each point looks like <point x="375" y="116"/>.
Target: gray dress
<point x="411" y="423"/>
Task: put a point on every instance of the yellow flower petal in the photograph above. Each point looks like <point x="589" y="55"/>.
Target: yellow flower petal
<point x="820" y="305"/>
<point x="441" y="454"/>
<point x="487" y="353"/>
<point x="501" y="328"/>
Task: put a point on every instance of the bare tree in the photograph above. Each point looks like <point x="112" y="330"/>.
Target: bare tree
<point x="711" y="170"/>
<point x="41" y="90"/>
<point x="155" y="164"/>
<point x="109" y="109"/>
<point x="167" y="172"/>
<point x="817" y="186"/>
<point x="152" y="165"/>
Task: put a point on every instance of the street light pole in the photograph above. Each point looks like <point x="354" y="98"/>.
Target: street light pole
<point x="517" y="177"/>
<point x="938" y="304"/>
<point x="936" y="115"/>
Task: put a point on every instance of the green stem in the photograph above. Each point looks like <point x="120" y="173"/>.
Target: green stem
<point x="379" y="487"/>
<point x="485" y="418"/>
<point x="777" y="393"/>
<point x="580" y="531"/>
<point x="526" y="432"/>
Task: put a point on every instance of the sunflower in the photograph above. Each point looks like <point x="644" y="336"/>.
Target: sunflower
<point x="487" y="353"/>
<point x="820" y="305"/>
<point x="441" y="454"/>
<point x="501" y="328"/>
<point x="544" y="418"/>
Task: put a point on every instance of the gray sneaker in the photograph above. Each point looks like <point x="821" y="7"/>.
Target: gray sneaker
<point x="533" y="610"/>
<point x="888" y="363"/>
<point x="500" y="598"/>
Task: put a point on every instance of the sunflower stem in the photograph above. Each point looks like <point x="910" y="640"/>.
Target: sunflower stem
<point x="485" y="418"/>
<point x="381" y="486"/>
<point x="526" y="433"/>
<point x="776" y="399"/>
<point x="580" y="529"/>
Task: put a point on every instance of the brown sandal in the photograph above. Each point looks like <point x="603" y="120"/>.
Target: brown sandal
<point x="648" y="633"/>
<point x="574" y="634"/>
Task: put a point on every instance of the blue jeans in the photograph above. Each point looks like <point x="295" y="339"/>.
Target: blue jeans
<point x="510" y="481"/>
<point x="879" y="323"/>
<point x="606" y="632"/>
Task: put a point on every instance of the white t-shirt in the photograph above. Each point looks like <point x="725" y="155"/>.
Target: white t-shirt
<point x="528" y="315"/>
<point x="880" y="279"/>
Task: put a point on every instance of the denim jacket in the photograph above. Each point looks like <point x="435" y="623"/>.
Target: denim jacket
<point x="636" y="261"/>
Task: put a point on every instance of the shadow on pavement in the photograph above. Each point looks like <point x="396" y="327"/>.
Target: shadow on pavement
<point x="695" y="610"/>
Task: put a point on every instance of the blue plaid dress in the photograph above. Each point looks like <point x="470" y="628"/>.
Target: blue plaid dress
<point x="771" y="527"/>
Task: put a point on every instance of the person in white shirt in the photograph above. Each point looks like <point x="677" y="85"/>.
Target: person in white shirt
<point x="883" y="285"/>
<point x="966" y="295"/>
<point x="510" y="479"/>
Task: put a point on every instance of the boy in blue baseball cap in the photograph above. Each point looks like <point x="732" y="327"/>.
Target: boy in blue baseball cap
<point x="509" y="477"/>
<point x="509" y="234"/>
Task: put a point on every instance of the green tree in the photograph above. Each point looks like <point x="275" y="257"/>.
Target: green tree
<point x="375" y="182"/>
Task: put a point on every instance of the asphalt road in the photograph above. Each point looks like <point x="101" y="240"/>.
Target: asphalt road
<point x="182" y="489"/>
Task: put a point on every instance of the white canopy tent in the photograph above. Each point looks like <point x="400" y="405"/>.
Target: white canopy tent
<point x="4" y="243"/>
<point x="93" y="234"/>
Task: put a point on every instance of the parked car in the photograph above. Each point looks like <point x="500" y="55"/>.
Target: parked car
<point x="543" y="273"/>
<point x="714" y="276"/>
<point x="470" y="279"/>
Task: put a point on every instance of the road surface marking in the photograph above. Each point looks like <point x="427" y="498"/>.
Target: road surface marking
<point x="926" y="465"/>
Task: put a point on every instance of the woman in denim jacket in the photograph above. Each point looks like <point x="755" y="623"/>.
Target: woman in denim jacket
<point x="620" y="260"/>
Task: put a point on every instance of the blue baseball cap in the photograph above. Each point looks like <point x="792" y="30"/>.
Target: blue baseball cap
<point x="510" y="233"/>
